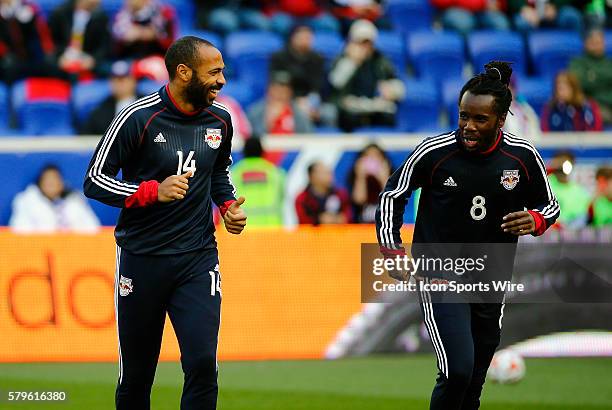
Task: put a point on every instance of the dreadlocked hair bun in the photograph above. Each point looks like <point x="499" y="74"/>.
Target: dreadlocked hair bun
<point x="499" y="70"/>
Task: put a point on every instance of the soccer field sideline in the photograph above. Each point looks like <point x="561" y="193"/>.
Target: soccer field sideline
<point x="382" y="382"/>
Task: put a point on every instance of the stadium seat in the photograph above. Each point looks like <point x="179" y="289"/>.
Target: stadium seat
<point x="487" y="45"/>
<point x="328" y="44"/>
<point x="450" y="97"/>
<point x="392" y="45"/>
<point x="408" y="15"/>
<point x="185" y="13"/>
<point x="42" y="106"/>
<point x="536" y="91"/>
<point x="111" y="7"/>
<point x="419" y="111"/>
<point x="608" y="36"/>
<point x="87" y="96"/>
<point x="551" y="51"/>
<point x="241" y="92"/>
<point x="4" y="107"/>
<point x="146" y="87"/>
<point x="214" y="38"/>
<point x="48" y="6"/>
<point x="248" y="54"/>
<point x="436" y="55"/>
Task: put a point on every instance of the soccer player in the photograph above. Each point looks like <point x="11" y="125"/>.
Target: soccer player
<point x="478" y="185"/>
<point x="173" y="148"/>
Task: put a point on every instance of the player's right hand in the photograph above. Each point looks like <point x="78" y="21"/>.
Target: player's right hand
<point x="174" y="187"/>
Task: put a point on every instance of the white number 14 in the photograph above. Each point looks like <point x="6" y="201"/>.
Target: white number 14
<point x="188" y="165"/>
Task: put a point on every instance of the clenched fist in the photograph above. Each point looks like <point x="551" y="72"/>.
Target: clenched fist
<point x="174" y="187"/>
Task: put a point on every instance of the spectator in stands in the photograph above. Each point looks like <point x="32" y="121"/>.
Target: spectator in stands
<point x="600" y="209"/>
<point x="569" y="109"/>
<point x="321" y="202"/>
<point x="225" y="17"/>
<point x="278" y="113"/>
<point x="82" y="39"/>
<point x="366" y="181"/>
<point x="365" y="86"/>
<point x="143" y="28"/>
<point x="123" y="93"/>
<point x="305" y="68"/>
<point x="26" y="46"/>
<point x="594" y="70"/>
<point x="49" y="206"/>
<point x="523" y="121"/>
<point x="528" y="15"/>
<point x="573" y="198"/>
<point x="467" y="15"/>
<point x="263" y="182"/>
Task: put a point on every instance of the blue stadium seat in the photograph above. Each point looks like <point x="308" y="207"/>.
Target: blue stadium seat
<point x="450" y="97"/>
<point x="487" y="45"/>
<point x="25" y="168"/>
<point x="551" y="51"/>
<point x="87" y="96"/>
<point x="436" y="55"/>
<point x="48" y="6"/>
<point x="408" y="15"/>
<point x="146" y="87"/>
<point x="537" y="91"/>
<point x="4" y="107"/>
<point x="328" y="44"/>
<point x="420" y="110"/>
<point x="42" y="106"/>
<point x="111" y="7"/>
<point x="393" y="46"/>
<point x="248" y="54"/>
<point x="608" y="36"/>
<point x="185" y="13"/>
<point x="241" y="92"/>
<point x="214" y="38"/>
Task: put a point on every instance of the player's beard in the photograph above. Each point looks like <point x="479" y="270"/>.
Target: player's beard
<point x="196" y="92"/>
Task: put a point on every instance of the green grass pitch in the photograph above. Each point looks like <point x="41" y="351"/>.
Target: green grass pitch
<point x="378" y="383"/>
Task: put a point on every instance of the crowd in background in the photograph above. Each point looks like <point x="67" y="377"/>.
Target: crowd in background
<point x="80" y="40"/>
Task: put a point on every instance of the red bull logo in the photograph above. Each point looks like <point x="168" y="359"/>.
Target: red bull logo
<point x="213" y="137"/>
<point x="509" y="178"/>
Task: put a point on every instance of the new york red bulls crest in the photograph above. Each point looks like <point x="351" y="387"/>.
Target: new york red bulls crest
<point x="509" y="178"/>
<point x="213" y="137"/>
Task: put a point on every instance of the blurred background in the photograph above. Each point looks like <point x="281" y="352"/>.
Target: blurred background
<point x="327" y="99"/>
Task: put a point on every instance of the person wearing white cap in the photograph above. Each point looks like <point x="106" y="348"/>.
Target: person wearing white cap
<point x="365" y="85"/>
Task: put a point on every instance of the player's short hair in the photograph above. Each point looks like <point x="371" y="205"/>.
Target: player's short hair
<point x="494" y="81"/>
<point x="252" y="148"/>
<point x="604" y="172"/>
<point x="312" y="167"/>
<point x="184" y="51"/>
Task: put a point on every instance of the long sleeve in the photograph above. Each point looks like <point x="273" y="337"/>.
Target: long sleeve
<point x="114" y="150"/>
<point x="222" y="189"/>
<point x="392" y="200"/>
<point x="540" y="197"/>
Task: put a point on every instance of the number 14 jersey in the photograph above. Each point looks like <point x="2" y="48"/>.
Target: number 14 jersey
<point x="151" y="140"/>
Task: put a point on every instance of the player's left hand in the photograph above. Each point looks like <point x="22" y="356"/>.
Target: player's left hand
<point x="519" y="223"/>
<point x="235" y="217"/>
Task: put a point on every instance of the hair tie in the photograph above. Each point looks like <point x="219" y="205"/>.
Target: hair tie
<point x="498" y="72"/>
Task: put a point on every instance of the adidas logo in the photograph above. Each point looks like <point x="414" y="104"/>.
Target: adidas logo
<point x="159" y="138"/>
<point x="450" y="182"/>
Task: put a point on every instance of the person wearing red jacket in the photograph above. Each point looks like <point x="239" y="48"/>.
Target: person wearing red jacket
<point x="467" y="15"/>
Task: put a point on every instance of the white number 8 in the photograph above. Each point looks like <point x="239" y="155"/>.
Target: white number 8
<point x="478" y="204"/>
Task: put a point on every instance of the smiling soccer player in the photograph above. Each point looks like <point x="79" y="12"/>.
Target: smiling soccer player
<point x="479" y="185"/>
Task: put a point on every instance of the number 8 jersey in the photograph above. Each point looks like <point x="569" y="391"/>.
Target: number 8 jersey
<point x="465" y="195"/>
<point x="149" y="141"/>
